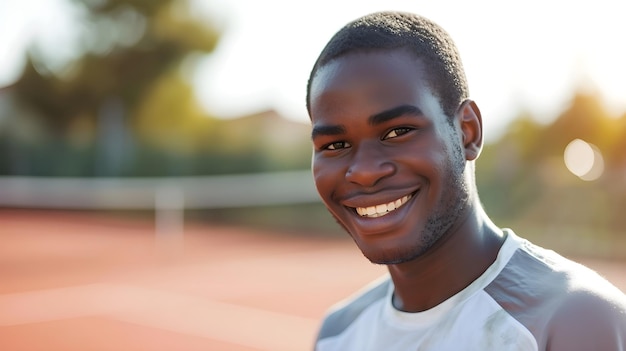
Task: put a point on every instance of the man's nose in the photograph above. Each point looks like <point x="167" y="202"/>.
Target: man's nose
<point x="369" y="165"/>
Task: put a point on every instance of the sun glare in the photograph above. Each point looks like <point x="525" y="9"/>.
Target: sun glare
<point x="584" y="160"/>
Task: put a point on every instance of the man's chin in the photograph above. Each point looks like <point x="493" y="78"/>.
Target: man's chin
<point x="391" y="257"/>
<point x="385" y="257"/>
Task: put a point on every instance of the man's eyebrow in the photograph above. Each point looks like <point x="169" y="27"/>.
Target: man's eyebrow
<point x="327" y="130"/>
<point x="392" y="113"/>
<point x="373" y="120"/>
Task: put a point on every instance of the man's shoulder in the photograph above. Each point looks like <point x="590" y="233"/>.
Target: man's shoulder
<point x="543" y="273"/>
<point x="589" y="316"/>
<point x="566" y="305"/>
<point x="343" y="314"/>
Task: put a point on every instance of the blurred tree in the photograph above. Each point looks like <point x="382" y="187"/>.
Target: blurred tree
<point x="169" y="118"/>
<point x="507" y="171"/>
<point x="525" y="184"/>
<point x="617" y="154"/>
<point x="586" y="119"/>
<point x="125" y="47"/>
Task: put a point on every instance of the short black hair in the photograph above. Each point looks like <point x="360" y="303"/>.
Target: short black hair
<point x="402" y="30"/>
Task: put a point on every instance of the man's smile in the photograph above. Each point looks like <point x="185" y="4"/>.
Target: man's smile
<point x="382" y="209"/>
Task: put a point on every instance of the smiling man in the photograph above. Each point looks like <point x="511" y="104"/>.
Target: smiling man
<point x="395" y="138"/>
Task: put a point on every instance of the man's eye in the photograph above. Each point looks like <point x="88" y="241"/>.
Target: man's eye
<point x="337" y="145"/>
<point x="397" y="132"/>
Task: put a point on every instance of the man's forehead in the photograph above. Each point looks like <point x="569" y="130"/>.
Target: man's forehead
<point x="390" y="77"/>
<point x="382" y="66"/>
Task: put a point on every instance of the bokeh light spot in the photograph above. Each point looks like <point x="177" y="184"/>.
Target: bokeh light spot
<point x="584" y="160"/>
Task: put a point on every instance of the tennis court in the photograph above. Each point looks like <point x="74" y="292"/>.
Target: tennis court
<point x="80" y="281"/>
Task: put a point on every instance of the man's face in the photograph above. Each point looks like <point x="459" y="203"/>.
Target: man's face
<point x="387" y="163"/>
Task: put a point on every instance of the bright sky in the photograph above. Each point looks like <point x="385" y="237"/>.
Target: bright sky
<point x="532" y="54"/>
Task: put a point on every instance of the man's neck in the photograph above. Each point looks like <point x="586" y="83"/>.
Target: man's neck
<point x="454" y="262"/>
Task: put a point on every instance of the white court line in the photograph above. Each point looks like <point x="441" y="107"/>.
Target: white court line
<point x="186" y="314"/>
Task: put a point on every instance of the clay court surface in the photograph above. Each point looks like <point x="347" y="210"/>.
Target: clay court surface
<point x="79" y="281"/>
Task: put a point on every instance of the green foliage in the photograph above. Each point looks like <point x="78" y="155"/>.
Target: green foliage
<point x="122" y="107"/>
<point x="125" y="47"/>
<point x="524" y="182"/>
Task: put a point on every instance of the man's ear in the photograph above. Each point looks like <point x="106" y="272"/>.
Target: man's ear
<point x="471" y="128"/>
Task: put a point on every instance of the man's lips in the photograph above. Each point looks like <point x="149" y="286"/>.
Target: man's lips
<point x="383" y="209"/>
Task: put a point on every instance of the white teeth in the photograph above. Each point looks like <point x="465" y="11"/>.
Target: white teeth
<point x="399" y="203"/>
<point x="382" y="209"/>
